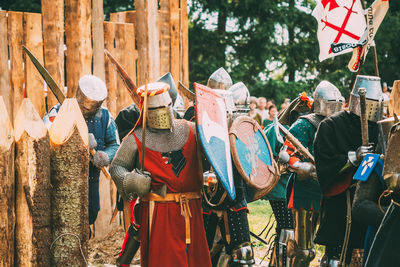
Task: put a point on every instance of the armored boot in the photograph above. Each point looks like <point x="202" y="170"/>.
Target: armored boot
<point x="285" y="245"/>
<point x="243" y="255"/>
<point x="130" y="246"/>
<point x="303" y="248"/>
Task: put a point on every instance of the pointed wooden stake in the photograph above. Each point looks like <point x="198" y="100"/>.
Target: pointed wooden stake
<point x="7" y="216"/>
<point x="32" y="165"/>
<point x="69" y="163"/>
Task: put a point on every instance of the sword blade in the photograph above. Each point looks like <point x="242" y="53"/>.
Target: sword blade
<point x="51" y="83"/>
<point x="130" y="85"/>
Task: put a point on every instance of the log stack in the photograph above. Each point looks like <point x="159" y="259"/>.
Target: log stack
<point x="69" y="161"/>
<point x="7" y="215"/>
<point x="32" y="165"/>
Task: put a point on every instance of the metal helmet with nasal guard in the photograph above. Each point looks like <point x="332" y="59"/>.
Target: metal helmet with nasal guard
<point x="374" y="97"/>
<point x="327" y="99"/>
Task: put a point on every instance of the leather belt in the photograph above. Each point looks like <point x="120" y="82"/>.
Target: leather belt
<point x="181" y="198"/>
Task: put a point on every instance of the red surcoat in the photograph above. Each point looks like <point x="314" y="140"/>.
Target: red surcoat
<point x="166" y="245"/>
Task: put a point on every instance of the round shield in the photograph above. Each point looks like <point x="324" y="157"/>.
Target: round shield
<point x="252" y="155"/>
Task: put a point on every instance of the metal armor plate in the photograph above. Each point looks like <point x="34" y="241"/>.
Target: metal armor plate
<point x="252" y="155"/>
<point x="212" y="128"/>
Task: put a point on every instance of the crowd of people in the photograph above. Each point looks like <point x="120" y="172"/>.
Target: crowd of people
<point x="179" y="218"/>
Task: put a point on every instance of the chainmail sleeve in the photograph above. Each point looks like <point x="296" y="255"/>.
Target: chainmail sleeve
<point x="124" y="162"/>
<point x="365" y="204"/>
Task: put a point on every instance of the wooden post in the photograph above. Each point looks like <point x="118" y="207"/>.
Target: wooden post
<point x="32" y="164"/>
<point x="394" y="100"/>
<point x="53" y="43"/>
<point x="124" y="50"/>
<point x="111" y="74"/>
<point x="34" y="85"/>
<point x="5" y="88"/>
<point x="15" y="38"/>
<point x="147" y="40"/>
<point x="7" y="215"/>
<point x="98" y="38"/>
<point x="69" y="162"/>
<point x="184" y="49"/>
<point x="78" y="40"/>
<point x="175" y="38"/>
<point x="165" y="38"/>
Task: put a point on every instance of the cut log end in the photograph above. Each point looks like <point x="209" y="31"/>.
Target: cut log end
<point x="29" y="121"/>
<point x="6" y="129"/>
<point x="68" y="119"/>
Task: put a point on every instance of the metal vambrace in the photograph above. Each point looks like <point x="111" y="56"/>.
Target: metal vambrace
<point x="123" y="163"/>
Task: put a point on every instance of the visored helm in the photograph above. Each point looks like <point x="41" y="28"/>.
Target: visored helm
<point x="327" y="99"/>
<point x="374" y="97"/>
<point x="91" y="93"/>
<point x="220" y="79"/>
<point x="159" y="114"/>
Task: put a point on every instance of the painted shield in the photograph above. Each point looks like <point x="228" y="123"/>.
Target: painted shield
<point x="212" y="127"/>
<point x="252" y="155"/>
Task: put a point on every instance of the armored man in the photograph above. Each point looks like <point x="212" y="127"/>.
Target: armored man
<point x="171" y="224"/>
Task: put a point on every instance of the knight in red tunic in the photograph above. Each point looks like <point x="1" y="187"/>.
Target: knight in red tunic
<point x="171" y="226"/>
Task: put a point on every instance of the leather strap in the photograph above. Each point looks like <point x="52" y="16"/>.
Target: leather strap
<point x="181" y="198"/>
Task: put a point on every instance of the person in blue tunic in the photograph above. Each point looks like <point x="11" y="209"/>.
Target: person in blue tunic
<point x="303" y="191"/>
<point x="103" y="135"/>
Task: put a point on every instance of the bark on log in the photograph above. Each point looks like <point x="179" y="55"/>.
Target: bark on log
<point x="53" y="43"/>
<point x="7" y="215"/>
<point x="33" y="210"/>
<point x="69" y="161"/>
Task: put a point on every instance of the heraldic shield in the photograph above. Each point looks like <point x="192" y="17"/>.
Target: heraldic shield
<point x="252" y="156"/>
<point x="212" y="128"/>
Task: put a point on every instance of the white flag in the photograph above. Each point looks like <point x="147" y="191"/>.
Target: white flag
<point x="339" y="21"/>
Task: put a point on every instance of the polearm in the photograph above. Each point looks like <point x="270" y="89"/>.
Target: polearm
<point x="363" y="116"/>
<point x="55" y="89"/>
<point x="130" y="85"/>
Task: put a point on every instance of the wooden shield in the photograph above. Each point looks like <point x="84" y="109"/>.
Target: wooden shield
<point x="391" y="166"/>
<point x="252" y="155"/>
<point x="212" y="128"/>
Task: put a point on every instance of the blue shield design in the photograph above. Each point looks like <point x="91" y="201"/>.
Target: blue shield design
<point x="212" y="127"/>
<point x="370" y="163"/>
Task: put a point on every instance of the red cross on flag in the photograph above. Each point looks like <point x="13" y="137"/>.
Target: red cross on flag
<point x="339" y="21"/>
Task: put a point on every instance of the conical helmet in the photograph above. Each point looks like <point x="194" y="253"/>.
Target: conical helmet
<point x="220" y="79"/>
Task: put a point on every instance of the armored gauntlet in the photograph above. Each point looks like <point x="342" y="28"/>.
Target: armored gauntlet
<point x="136" y="183"/>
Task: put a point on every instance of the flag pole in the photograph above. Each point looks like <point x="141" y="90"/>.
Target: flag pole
<point x="374" y="47"/>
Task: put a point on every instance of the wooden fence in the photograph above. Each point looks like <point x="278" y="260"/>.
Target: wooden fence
<point x="148" y="42"/>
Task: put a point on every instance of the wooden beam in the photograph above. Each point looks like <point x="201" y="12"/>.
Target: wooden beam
<point x="98" y="38"/>
<point x="7" y="185"/>
<point x="78" y="40"/>
<point x="124" y="50"/>
<point x="69" y="161"/>
<point x="34" y="85"/>
<point x="32" y="165"/>
<point x="5" y="86"/>
<point x="184" y="51"/>
<point x="147" y="40"/>
<point x="110" y="73"/>
<point x="165" y="38"/>
<point x="175" y="38"/>
<point x="15" y="38"/>
<point x="53" y="43"/>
